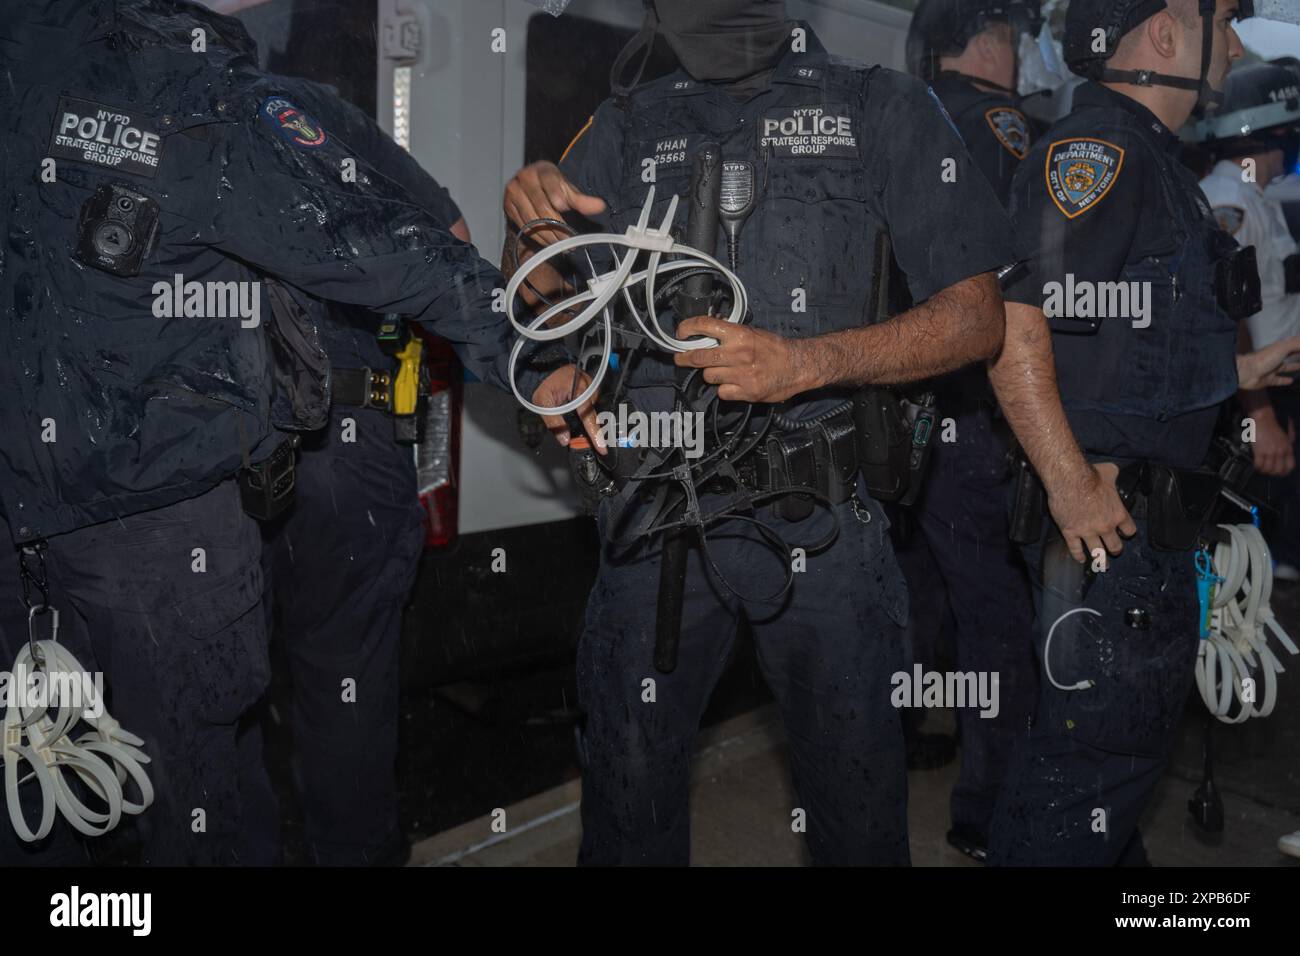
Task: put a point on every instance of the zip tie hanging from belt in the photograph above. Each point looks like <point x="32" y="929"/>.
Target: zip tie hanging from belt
<point x="603" y="287"/>
<point x="1236" y="621"/>
<point x="102" y="758"/>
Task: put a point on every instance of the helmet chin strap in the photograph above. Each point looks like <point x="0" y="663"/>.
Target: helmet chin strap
<point x="1207" y="96"/>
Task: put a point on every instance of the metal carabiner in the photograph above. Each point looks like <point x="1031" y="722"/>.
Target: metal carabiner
<point x="35" y="609"/>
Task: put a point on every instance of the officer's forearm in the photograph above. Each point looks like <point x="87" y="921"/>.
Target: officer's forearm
<point x="954" y="327"/>
<point x="1023" y="376"/>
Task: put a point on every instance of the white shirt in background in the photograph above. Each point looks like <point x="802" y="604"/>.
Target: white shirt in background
<point x="1255" y="218"/>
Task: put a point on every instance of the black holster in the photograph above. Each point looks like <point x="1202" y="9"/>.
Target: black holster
<point x="883" y="443"/>
<point x="1179" y="504"/>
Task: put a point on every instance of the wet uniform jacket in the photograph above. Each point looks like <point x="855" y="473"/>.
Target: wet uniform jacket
<point x="841" y="152"/>
<point x="1119" y="226"/>
<point x="996" y="132"/>
<point x="148" y="409"/>
<point x="347" y="334"/>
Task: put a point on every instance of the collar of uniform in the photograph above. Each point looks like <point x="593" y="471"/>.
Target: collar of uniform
<point x="681" y="83"/>
<point x="1093" y="93"/>
<point x="951" y="81"/>
<point x="792" y="63"/>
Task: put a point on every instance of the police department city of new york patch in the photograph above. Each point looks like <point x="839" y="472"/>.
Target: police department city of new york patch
<point x="1010" y="129"/>
<point x="1229" y="218"/>
<point x="1080" y="172"/>
<point x="292" y="124"/>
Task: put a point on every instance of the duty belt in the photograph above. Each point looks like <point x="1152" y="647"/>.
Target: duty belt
<point x="362" y="387"/>
<point x="821" y="454"/>
<point x="402" y="393"/>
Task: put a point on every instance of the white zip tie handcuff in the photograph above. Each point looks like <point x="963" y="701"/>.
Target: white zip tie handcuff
<point x="601" y="290"/>
<point x="103" y="758"/>
<point x="1236" y="619"/>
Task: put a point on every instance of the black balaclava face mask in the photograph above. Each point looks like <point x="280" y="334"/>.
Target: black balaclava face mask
<point x="725" y="40"/>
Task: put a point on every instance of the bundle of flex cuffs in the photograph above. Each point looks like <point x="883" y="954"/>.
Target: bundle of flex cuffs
<point x="50" y="697"/>
<point x="1235" y="658"/>
<point x="641" y="291"/>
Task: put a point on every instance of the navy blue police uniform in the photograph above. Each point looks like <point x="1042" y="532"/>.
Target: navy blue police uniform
<point x="962" y="511"/>
<point x="842" y="153"/>
<point x="1102" y="198"/>
<point x="168" y="162"/>
<point x="341" y="562"/>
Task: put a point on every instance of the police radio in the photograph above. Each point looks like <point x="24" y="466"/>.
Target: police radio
<point x="117" y="229"/>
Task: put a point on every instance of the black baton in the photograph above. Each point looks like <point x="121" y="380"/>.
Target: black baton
<point x="694" y="297"/>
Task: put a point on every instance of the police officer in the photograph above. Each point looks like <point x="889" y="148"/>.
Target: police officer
<point x="968" y="51"/>
<point x="342" y="560"/>
<point x="1122" y="253"/>
<point x="1263" y="99"/>
<point x="842" y="153"/>
<point x="339" y="563"/>
<point x="140" y="177"/>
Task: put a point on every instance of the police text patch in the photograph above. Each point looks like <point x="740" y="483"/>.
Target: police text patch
<point x="106" y="136"/>
<point x="292" y="124"/>
<point x="1010" y="129"/>
<point x="1229" y="218"/>
<point x="1080" y="172"/>
<point x="818" y="131"/>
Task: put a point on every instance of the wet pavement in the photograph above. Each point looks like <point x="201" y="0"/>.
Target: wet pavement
<point x="504" y="739"/>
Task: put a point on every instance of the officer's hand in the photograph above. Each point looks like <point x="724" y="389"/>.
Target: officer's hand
<point x="1272" y="450"/>
<point x="748" y="364"/>
<point x="1089" y="512"/>
<point x="1266" y="367"/>
<point x="559" y="387"/>
<point x="541" y="191"/>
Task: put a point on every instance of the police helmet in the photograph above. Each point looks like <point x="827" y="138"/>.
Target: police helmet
<point x="1261" y="111"/>
<point x="944" y="27"/>
<point x="1116" y="18"/>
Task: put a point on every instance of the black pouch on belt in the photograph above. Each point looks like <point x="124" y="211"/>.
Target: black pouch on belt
<point x="1179" y="505"/>
<point x="792" y="461"/>
<point x="266" y="488"/>
<point x="884" y="443"/>
<point x="837" y="444"/>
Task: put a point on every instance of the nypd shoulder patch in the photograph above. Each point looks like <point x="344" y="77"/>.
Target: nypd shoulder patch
<point x="1080" y="172"/>
<point x="291" y="124"/>
<point x="1229" y="218"/>
<point x="1010" y="128"/>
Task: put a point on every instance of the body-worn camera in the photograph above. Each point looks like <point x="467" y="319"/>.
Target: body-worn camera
<point x="117" y="229"/>
<point x="1236" y="283"/>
